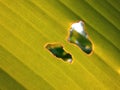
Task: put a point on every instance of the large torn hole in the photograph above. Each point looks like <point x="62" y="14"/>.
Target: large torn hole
<point x="58" y="51"/>
<point x="79" y="37"/>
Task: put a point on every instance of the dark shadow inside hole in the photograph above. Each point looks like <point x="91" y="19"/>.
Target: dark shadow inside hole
<point x="58" y="51"/>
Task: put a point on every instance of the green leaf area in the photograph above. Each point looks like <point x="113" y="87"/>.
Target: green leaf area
<point x="27" y="25"/>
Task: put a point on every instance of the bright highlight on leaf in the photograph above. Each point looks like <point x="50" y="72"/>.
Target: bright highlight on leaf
<point x="58" y="51"/>
<point x="79" y="37"/>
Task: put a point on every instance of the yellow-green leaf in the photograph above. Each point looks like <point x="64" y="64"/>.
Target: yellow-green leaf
<point x="27" y="25"/>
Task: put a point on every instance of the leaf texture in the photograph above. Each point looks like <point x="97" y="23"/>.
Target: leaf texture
<point x="27" y="25"/>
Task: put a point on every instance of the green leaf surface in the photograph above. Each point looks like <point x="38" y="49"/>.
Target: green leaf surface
<point x="27" y="25"/>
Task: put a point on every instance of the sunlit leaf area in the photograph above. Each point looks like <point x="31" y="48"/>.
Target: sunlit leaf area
<point x="26" y="26"/>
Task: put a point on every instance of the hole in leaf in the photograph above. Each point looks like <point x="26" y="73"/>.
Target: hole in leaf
<point x="58" y="51"/>
<point x="79" y="37"/>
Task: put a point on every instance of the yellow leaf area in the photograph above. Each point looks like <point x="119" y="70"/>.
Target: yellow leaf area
<point x="27" y="25"/>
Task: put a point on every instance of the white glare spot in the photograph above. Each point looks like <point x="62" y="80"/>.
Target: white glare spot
<point x="76" y="42"/>
<point x="69" y="60"/>
<point x="79" y="27"/>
